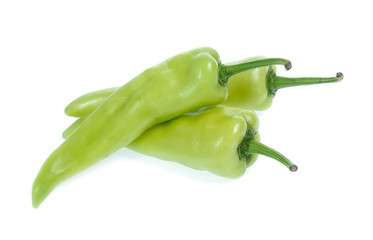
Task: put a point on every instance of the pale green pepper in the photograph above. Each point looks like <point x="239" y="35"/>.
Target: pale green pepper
<point x="222" y="140"/>
<point x="256" y="88"/>
<point x="253" y="89"/>
<point x="179" y="85"/>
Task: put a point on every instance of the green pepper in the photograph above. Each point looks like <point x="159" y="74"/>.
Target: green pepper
<point x="219" y="139"/>
<point x="179" y="85"/>
<point x="261" y="85"/>
<point x="252" y="89"/>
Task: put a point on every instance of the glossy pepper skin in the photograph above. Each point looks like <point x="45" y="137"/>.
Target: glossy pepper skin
<point x="179" y="85"/>
<point x="214" y="139"/>
<point x="252" y="89"/>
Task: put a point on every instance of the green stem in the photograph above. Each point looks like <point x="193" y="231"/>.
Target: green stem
<point x="226" y="71"/>
<point x="259" y="148"/>
<point x="275" y="82"/>
<point x="249" y="146"/>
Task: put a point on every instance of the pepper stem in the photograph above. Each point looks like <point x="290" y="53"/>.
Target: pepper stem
<point x="226" y="71"/>
<point x="249" y="146"/>
<point x="275" y="82"/>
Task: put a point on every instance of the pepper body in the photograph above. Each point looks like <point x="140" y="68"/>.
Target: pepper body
<point x="207" y="139"/>
<point x="220" y="139"/>
<point x="179" y="85"/>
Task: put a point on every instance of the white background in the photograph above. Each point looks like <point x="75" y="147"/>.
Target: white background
<point x="54" y="51"/>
